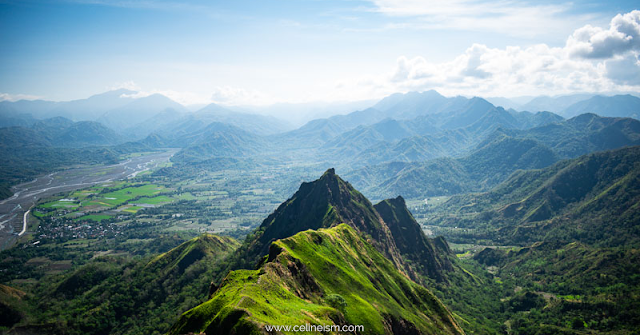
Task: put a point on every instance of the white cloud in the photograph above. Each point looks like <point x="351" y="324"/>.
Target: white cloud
<point x="507" y="17"/>
<point x="624" y="71"/>
<point x="622" y="36"/>
<point x="129" y="85"/>
<point x="16" y="97"/>
<point x="517" y="71"/>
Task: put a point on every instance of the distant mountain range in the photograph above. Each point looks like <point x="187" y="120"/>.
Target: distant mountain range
<point x="496" y="157"/>
<point x="592" y="199"/>
<point x="424" y="130"/>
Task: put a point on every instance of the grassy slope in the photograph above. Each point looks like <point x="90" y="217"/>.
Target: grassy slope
<point x="596" y="195"/>
<point x="144" y="296"/>
<point x="330" y="276"/>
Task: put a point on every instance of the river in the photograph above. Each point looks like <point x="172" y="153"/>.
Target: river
<point x="13" y="210"/>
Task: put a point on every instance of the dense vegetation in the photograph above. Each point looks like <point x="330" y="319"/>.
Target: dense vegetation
<point x="321" y="277"/>
<point x="541" y="244"/>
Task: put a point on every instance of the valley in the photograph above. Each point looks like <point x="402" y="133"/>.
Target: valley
<point x="26" y="195"/>
<point x="461" y="206"/>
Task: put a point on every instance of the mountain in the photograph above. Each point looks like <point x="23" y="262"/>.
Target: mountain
<point x="12" y="138"/>
<point x="159" y="122"/>
<point x="591" y="199"/>
<point x="499" y="155"/>
<point x="448" y="133"/>
<point x="413" y="104"/>
<point x="12" y="119"/>
<point x="34" y="108"/>
<point x="138" y="110"/>
<point x="411" y="241"/>
<point x="359" y="118"/>
<point x="492" y="160"/>
<point x="325" y="277"/>
<point x="253" y="123"/>
<point x="584" y="134"/>
<point x="139" y="296"/>
<point x="219" y="140"/>
<point x="553" y="104"/>
<point x="504" y="103"/>
<point x="323" y="203"/>
<point x="413" y="149"/>
<point x="298" y="114"/>
<point x="615" y="106"/>
<point x="312" y="134"/>
<point x="92" y="108"/>
<point x="62" y="132"/>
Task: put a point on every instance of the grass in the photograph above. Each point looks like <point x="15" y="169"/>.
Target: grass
<point x="120" y="196"/>
<point x="343" y="266"/>
<point x="154" y="201"/>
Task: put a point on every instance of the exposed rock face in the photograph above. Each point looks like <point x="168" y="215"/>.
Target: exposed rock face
<point x="428" y="257"/>
<point x="324" y="277"/>
<point x="325" y="203"/>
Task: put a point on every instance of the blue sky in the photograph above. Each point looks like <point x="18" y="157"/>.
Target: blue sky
<point x="257" y="52"/>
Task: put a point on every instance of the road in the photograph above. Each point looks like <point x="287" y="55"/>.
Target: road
<point x="14" y="210"/>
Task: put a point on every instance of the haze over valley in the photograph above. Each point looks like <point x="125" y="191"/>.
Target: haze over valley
<point x="374" y="167"/>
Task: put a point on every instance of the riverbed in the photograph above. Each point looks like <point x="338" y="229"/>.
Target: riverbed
<point x="13" y="209"/>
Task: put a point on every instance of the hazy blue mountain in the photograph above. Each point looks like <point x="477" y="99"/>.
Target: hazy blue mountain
<point x="413" y="104"/>
<point x="62" y="132"/>
<point x="401" y="106"/>
<point x="87" y="133"/>
<point x="12" y="119"/>
<point x="591" y="199"/>
<point x="219" y="140"/>
<point x="584" y="134"/>
<point x="254" y="123"/>
<point x="359" y="118"/>
<point x="443" y="134"/>
<point x="183" y="129"/>
<point x="442" y="176"/>
<point x="504" y="103"/>
<point x="493" y="160"/>
<point x="554" y="104"/>
<point x="298" y="114"/>
<point x="362" y="137"/>
<point x="313" y="134"/>
<point x="20" y="137"/>
<point x="615" y="106"/>
<point x="531" y="120"/>
<point x="36" y="108"/>
<point x="156" y="123"/>
<point x="92" y="108"/>
<point x="52" y="127"/>
<point x="138" y="111"/>
<point x="415" y="148"/>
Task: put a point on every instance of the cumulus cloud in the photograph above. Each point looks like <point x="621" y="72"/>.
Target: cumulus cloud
<point x="624" y="71"/>
<point x="128" y="85"/>
<point x="538" y="69"/>
<point x="622" y="36"/>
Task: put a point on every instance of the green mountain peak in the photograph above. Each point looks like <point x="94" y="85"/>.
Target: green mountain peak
<point x="324" y="277"/>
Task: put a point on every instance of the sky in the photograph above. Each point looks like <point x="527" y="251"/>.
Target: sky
<point x="266" y="51"/>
